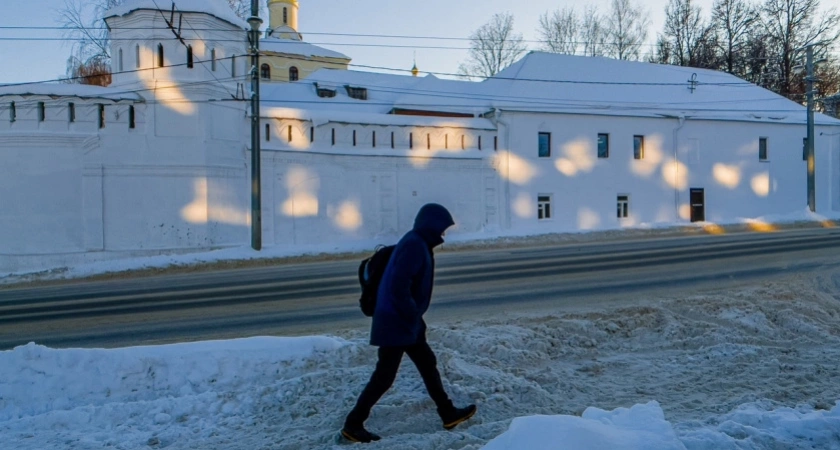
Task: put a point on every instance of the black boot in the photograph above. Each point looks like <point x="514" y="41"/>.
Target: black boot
<point x="358" y="434"/>
<point x="452" y="417"/>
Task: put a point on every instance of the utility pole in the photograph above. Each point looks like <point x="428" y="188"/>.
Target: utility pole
<point x="809" y="80"/>
<point x="256" y="187"/>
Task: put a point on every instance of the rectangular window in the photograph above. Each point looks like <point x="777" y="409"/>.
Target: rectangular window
<point x="479" y="142"/>
<point x="495" y="142"/>
<point x="333" y="136"/>
<point x="290" y="133"/>
<point x="354" y="138"/>
<point x="42" y="112"/>
<point x="12" y="112"/>
<point x="428" y="141"/>
<point x="543" y="206"/>
<point x="311" y="134"/>
<point x="392" y="139"/>
<point x="603" y="145"/>
<point x="544" y="145"/>
<point x="410" y="141"/>
<point x="623" y="206"/>
<point x="638" y="147"/>
<point x="463" y="142"/>
<point x="233" y="66"/>
<point x="213" y="60"/>
<point x="446" y="141"/>
<point x="131" y="122"/>
<point x="373" y="139"/>
<point x="762" y="149"/>
<point x="137" y="57"/>
<point x="101" y="114"/>
<point x="71" y="112"/>
<point x="267" y="133"/>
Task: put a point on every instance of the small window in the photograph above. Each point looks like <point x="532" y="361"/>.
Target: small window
<point x="392" y="140"/>
<point x="121" y="67"/>
<point x="265" y="72"/>
<point x="373" y="139"/>
<point x="354" y="138"/>
<point x="290" y="133"/>
<point x="446" y="141"/>
<point x="233" y="66"/>
<point x="410" y="141"/>
<point x="495" y="142"/>
<point x="160" y="58"/>
<point x="638" y="147"/>
<point x="325" y="93"/>
<point x="294" y="75"/>
<point x="71" y="112"/>
<point x="213" y="60"/>
<point x="603" y="145"/>
<point x="285" y="15"/>
<point x="190" y="61"/>
<point x="463" y="142"/>
<point x="333" y="136"/>
<point x="428" y="141"/>
<point x="42" y="112"/>
<point x="623" y="206"/>
<point x="311" y="134"/>
<point x="132" y="124"/>
<point x="479" y="142"/>
<point x="267" y="133"/>
<point x="356" y="92"/>
<point x="137" y="56"/>
<point x="543" y="207"/>
<point x="101" y="114"/>
<point x="12" y="112"/>
<point x="544" y="145"/>
<point x="762" y="149"/>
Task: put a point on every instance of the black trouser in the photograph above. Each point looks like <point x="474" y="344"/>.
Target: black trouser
<point x="386" y="371"/>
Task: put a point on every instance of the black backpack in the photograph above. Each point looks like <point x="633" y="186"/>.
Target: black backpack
<point x="370" y="274"/>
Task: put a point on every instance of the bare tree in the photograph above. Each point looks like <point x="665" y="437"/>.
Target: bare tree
<point x="83" y="26"/>
<point x="493" y="46"/>
<point x="791" y="25"/>
<point x="559" y="31"/>
<point x="691" y="40"/>
<point x="733" y="21"/>
<point x="592" y="32"/>
<point x="626" y="30"/>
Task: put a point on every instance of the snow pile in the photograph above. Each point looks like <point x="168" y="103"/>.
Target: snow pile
<point x="639" y="427"/>
<point x="748" y="369"/>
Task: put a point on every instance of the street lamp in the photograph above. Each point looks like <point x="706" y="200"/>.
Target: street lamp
<point x="809" y="146"/>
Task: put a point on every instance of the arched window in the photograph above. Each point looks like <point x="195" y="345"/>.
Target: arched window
<point x="213" y="60"/>
<point x="137" y="56"/>
<point x="190" y="63"/>
<point x="293" y="74"/>
<point x="121" y="67"/>
<point x="160" y="55"/>
<point x="285" y="16"/>
<point x="265" y="72"/>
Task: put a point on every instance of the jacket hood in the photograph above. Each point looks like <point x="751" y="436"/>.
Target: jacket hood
<point x="431" y="221"/>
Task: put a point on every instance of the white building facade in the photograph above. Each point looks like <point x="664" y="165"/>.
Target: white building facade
<point x="158" y="162"/>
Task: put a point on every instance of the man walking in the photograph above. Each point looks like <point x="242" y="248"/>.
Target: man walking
<point x="398" y="327"/>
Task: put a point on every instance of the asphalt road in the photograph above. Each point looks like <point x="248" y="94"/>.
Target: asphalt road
<point x="321" y="298"/>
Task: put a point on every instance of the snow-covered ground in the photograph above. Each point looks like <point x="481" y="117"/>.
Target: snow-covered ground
<point x="455" y="239"/>
<point x="755" y="368"/>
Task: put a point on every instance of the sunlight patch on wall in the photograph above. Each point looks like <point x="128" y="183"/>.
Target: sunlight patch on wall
<point x="588" y="219"/>
<point x="653" y="157"/>
<point x="346" y="216"/>
<point x="303" y="187"/>
<point x="761" y="184"/>
<point x="170" y="96"/>
<point x="685" y="211"/>
<point x="577" y="157"/>
<point x="675" y="174"/>
<point x="760" y="226"/>
<point x="199" y="212"/>
<point x="519" y="171"/>
<point x="524" y="206"/>
<point x="726" y="175"/>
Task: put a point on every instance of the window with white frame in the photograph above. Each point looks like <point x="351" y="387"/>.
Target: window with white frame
<point x="623" y="206"/>
<point x="544" y="206"/>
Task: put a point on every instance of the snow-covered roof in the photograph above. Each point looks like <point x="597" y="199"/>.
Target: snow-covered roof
<point x="217" y="8"/>
<point x="552" y="83"/>
<point x="68" y="90"/>
<point x="296" y="47"/>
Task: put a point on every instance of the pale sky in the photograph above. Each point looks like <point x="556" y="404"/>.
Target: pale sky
<point x="22" y="60"/>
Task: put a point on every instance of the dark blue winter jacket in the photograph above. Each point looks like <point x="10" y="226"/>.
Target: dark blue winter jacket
<point x="406" y="287"/>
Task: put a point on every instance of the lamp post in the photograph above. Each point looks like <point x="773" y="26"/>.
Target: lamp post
<point x="256" y="182"/>
<point x="809" y="149"/>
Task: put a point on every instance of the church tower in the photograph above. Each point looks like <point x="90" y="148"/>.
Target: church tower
<point x="283" y="18"/>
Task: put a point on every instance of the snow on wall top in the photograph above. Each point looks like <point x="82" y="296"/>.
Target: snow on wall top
<point x="68" y="90"/>
<point x="295" y="47"/>
<point x="216" y="8"/>
<point x="552" y="83"/>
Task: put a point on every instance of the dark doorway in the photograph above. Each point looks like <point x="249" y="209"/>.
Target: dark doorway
<point x="698" y="205"/>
